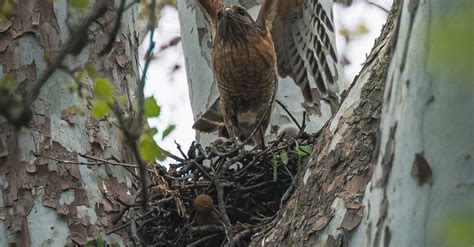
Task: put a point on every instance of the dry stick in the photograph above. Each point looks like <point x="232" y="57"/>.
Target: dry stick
<point x="110" y="162"/>
<point x="205" y="239"/>
<point x="220" y="197"/>
<point x="127" y="224"/>
<point x="289" y="114"/>
<point x="132" y="139"/>
<point x="113" y="34"/>
<point x="180" y="150"/>
<point x="167" y="153"/>
<point x="67" y="161"/>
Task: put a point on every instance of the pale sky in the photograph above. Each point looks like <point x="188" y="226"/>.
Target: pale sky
<point x="170" y="88"/>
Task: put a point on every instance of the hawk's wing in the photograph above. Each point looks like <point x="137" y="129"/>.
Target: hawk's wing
<point x="303" y="33"/>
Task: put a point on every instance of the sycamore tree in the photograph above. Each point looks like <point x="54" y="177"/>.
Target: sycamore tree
<point x="394" y="165"/>
<point x="73" y="135"/>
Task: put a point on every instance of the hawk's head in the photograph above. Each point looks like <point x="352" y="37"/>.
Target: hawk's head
<point x="234" y="24"/>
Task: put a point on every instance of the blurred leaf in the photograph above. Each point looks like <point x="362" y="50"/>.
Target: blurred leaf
<point x="103" y="90"/>
<point x="8" y="82"/>
<point x="343" y="31"/>
<point x="96" y="243"/>
<point x="149" y="150"/>
<point x="168" y="131"/>
<point x="79" y="4"/>
<point x="152" y="131"/>
<point x="284" y="157"/>
<point x="5" y="9"/>
<point x="452" y="43"/>
<point x="303" y="150"/>
<point x="151" y="107"/>
<point x="456" y="230"/>
<point x="91" y="72"/>
<point x="362" y="28"/>
<point x="122" y="100"/>
<point x="99" y="109"/>
<point x="74" y="110"/>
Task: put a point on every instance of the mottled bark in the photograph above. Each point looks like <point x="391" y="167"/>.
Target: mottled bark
<point x="398" y="174"/>
<point x="327" y="205"/>
<point x="50" y="203"/>
<point x="422" y="190"/>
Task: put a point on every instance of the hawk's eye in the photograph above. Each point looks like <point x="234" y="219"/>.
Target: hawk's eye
<point x="240" y="11"/>
<point x="219" y="15"/>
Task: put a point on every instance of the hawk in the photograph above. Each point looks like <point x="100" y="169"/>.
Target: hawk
<point x="288" y="38"/>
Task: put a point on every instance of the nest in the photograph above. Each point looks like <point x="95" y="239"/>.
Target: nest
<point x="221" y="194"/>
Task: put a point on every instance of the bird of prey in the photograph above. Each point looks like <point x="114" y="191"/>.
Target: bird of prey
<point x="288" y="38"/>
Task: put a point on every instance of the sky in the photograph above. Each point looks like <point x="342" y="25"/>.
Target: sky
<point x="166" y="78"/>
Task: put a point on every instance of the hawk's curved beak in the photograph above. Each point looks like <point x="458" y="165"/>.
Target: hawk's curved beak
<point x="226" y="12"/>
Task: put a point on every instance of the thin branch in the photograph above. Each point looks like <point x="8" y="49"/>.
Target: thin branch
<point x="289" y="114"/>
<point x="113" y="34"/>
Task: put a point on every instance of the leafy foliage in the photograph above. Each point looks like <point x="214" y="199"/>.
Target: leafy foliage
<point x="6" y="7"/>
<point x="151" y="107"/>
<point x="79" y="4"/>
<point x="149" y="150"/>
<point x="168" y="131"/>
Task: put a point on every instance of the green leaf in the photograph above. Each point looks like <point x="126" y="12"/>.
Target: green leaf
<point x="151" y="107"/>
<point x="284" y="157"/>
<point x="91" y="72"/>
<point x="168" y="130"/>
<point x="79" y="4"/>
<point x="122" y="100"/>
<point x="149" y="150"/>
<point x="152" y="131"/>
<point x="103" y="90"/>
<point x="303" y="150"/>
<point x="450" y="44"/>
<point x="99" y="109"/>
<point x="96" y="243"/>
<point x="8" y="82"/>
<point x="307" y="149"/>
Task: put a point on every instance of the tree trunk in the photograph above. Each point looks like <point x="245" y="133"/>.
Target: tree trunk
<point x="414" y="153"/>
<point x="45" y="202"/>
<point x="203" y="88"/>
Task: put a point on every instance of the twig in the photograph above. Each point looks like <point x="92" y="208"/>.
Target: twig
<point x="102" y="161"/>
<point x="113" y="34"/>
<point x="68" y="161"/>
<point x="205" y="239"/>
<point x="289" y="114"/>
<point x="180" y="150"/>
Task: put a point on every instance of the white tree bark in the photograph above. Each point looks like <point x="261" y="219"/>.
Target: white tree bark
<point x="421" y="191"/>
<point x="203" y="89"/>
<point x="424" y="175"/>
<point x="390" y="177"/>
<point x="49" y="203"/>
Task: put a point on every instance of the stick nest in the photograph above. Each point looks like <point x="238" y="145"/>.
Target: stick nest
<point x="221" y="194"/>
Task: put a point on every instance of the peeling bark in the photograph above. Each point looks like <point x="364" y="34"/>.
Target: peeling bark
<point x="45" y="202"/>
<point x="327" y="205"/>
<point x="394" y="166"/>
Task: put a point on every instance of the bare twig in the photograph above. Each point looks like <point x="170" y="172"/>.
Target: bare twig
<point x="289" y="114"/>
<point x="113" y="34"/>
